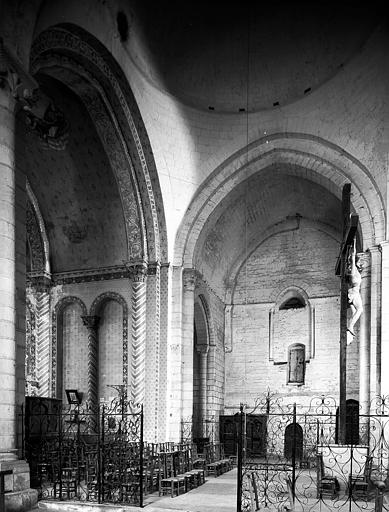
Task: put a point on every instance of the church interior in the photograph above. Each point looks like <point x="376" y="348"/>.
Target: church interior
<point x="182" y="185"/>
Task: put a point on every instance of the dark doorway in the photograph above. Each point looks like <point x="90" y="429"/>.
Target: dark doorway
<point x="293" y="440"/>
<point x="255" y="434"/>
<point x="229" y="433"/>
<point x="352" y="422"/>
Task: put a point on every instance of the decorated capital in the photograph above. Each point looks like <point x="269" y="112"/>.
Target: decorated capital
<point x="137" y="271"/>
<point x="41" y="114"/>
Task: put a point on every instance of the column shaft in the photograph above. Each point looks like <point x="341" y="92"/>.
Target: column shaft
<point x="385" y="319"/>
<point x="7" y="279"/>
<point x="364" y="335"/>
<point x="203" y="389"/>
<point x="137" y="273"/>
<point x="174" y="358"/>
<point x="91" y="323"/>
<point x="189" y="279"/>
<point x="375" y="323"/>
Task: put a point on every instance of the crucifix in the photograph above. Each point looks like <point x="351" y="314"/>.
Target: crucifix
<point x="345" y="258"/>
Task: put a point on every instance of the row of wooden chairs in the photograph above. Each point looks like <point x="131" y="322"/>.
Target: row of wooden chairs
<point x="180" y="475"/>
<point x="214" y="460"/>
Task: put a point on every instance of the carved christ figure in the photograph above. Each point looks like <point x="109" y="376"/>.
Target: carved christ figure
<point x="354" y="291"/>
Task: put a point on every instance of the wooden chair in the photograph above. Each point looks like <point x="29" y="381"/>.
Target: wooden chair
<point x="66" y="487"/>
<point x="359" y="483"/>
<point x="172" y="486"/>
<point x="327" y="485"/>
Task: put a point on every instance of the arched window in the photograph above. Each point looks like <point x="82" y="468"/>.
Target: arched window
<point x="296" y="364"/>
<point x="293" y="303"/>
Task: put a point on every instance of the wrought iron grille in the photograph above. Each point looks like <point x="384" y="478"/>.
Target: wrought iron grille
<point x="194" y="428"/>
<point x="89" y="454"/>
<point x="289" y="458"/>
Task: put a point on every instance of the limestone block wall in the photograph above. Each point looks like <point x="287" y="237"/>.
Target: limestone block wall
<point x="261" y="333"/>
<point x="214" y="308"/>
<point x="110" y="332"/>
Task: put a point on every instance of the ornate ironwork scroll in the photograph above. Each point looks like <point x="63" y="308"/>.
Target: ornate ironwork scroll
<point x="85" y="453"/>
<point x="290" y="457"/>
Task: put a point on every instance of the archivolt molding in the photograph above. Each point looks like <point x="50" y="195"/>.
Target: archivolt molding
<point x="92" y="65"/>
<point x="99" y="301"/>
<point x="113" y="143"/>
<point x="36" y="235"/>
<point x="57" y="311"/>
<point x="307" y="156"/>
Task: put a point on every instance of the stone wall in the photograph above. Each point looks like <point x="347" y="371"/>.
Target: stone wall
<point x="298" y="263"/>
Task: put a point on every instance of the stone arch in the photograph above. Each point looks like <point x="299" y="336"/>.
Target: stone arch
<point x="306" y="314"/>
<point x="73" y="56"/>
<point x="306" y="155"/>
<point x="55" y="349"/>
<point x="37" y="239"/>
<point x="202" y="320"/>
<point x="288" y="292"/>
<point x="94" y="311"/>
<point x="103" y="297"/>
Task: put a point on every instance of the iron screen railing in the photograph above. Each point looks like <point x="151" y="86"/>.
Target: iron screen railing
<point x="82" y="453"/>
<point x="299" y="464"/>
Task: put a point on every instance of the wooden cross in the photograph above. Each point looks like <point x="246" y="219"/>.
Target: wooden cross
<point x="350" y="226"/>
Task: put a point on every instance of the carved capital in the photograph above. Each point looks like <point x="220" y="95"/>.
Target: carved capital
<point x="137" y="271"/>
<point x="40" y="281"/>
<point x="12" y="75"/>
<point x="91" y="322"/>
<point x="189" y="279"/>
<point x="41" y="115"/>
<point x="152" y="268"/>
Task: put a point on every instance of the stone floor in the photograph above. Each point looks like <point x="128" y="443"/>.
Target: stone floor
<point x="215" y="495"/>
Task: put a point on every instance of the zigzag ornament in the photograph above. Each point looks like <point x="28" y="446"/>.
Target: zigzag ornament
<point x="138" y="310"/>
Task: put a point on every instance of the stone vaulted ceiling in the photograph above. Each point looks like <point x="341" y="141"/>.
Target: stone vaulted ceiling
<point x="75" y="189"/>
<point x="213" y="55"/>
<point x="257" y="209"/>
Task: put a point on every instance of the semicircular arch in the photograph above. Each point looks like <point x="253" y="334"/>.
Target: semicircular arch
<point x="307" y="156"/>
<point x="76" y="58"/>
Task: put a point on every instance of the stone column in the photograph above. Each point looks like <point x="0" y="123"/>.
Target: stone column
<point x="40" y="286"/>
<point x="384" y="359"/>
<point x="364" y="334"/>
<point x="174" y="358"/>
<point x="21" y="497"/>
<point x="165" y="279"/>
<point x="189" y="283"/>
<point x="203" y="370"/>
<point x="7" y="276"/>
<point x="91" y="323"/>
<point x="153" y="405"/>
<point x="137" y="272"/>
<point x="375" y="323"/>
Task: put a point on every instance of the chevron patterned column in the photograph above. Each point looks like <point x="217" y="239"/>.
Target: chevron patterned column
<point x="91" y="323"/>
<point x="41" y="285"/>
<point x="137" y="274"/>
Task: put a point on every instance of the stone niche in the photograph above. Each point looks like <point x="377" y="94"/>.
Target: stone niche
<point x="291" y="322"/>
